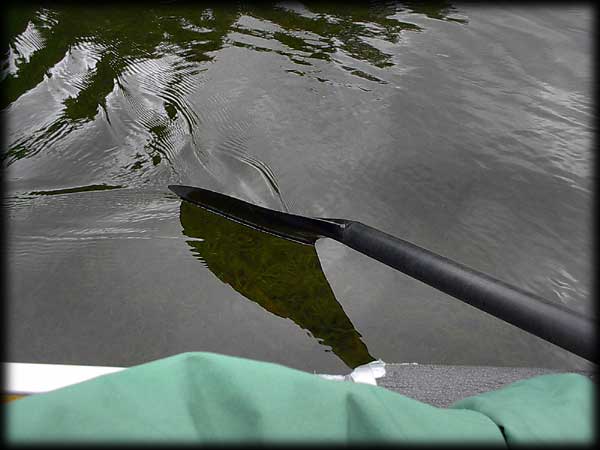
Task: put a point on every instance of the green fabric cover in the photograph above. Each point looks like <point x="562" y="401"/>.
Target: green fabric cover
<point x="544" y="409"/>
<point x="206" y="397"/>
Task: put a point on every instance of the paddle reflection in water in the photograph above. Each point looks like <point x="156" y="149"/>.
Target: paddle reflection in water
<point x="283" y="277"/>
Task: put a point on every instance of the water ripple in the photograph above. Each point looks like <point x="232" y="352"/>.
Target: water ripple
<point x="28" y="42"/>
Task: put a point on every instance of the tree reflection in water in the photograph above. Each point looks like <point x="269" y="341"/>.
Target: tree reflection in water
<point x="184" y="38"/>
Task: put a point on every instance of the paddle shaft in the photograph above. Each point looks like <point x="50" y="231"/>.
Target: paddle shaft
<point x="533" y="314"/>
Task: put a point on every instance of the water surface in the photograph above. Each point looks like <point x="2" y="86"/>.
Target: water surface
<point x="463" y="129"/>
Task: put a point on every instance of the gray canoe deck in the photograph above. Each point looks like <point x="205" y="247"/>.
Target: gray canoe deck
<point x="441" y="386"/>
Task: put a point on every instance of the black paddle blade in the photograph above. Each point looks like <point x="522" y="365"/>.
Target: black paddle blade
<point x="288" y="226"/>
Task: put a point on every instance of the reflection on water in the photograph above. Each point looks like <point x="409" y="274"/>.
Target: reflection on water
<point x="170" y="43"/>
<point x="112" y="41"/>
<point x="283" y="277"/>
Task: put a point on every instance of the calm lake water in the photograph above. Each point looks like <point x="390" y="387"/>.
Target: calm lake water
<point x="463" y="129"/>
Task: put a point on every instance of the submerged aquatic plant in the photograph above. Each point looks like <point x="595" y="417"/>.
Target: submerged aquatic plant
<point x="281" y="276"/>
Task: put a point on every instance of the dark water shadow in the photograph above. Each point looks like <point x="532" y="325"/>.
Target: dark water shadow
<point x="283" y="277"/>
<point x="89" y="188"/>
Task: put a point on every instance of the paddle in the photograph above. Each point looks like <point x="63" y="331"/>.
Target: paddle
<point x="547" y="320"/>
